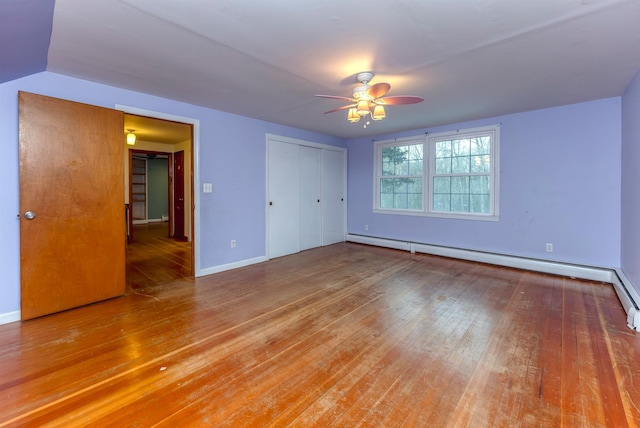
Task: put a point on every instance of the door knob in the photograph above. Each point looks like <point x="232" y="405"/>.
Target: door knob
<point x="29" y="215"/>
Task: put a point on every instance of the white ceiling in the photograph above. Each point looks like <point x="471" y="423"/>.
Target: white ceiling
<point x="468" y="59"/>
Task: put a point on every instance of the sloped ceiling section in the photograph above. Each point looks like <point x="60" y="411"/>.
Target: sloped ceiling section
<point x="25" y="32"/>
<point x="267" y="59"/>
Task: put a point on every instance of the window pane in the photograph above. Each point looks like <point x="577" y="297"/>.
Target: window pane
<point x="415" y="201"/>
<point x="443" y="166"/>
<point x="386" y="185"/>
<point x="401" y="193"/>
<point x="415" y="152"/>
<point x="459" y="184"/>
<point x="386" y="193"/>
<point x="401" y="168"/>
<point x="460" y="165"/>
<point x="460" y="202"/>
<point x="400" y="200"/>
<point x="387" y="168"/>
<point x="481" y="145"/>
<point x="461" y="147"/>
<point x="401" y="185"/>
<point x="441" y="184"/>
<point x="441" y="202"/>
<point x="480" y="204"/>
<point x="414" y="186"/>
<point x="394" y="157"/>
<point x="479" y="184"/>
<point x="480" y="163"/>
<point x="386" y="200"/>
<point x="394" y="154"/>
<point x="443" y="149"/>
<point x="415" y="167"/>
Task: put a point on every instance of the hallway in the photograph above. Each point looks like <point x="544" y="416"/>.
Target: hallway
<point x="155" y="259"/>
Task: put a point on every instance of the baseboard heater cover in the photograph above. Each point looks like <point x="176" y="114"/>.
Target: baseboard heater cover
<point x="627" y="295"/>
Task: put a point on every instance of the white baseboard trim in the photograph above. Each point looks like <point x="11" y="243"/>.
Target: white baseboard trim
<point x="229" y="266"/>
<point x="628" y="296"/>
<point x="8" y="317"/>
<point x="15" y="316"/>
<point x="147" y="221"/>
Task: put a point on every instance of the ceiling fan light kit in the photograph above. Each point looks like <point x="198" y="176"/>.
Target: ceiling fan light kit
<point x="370" y="99"/>
<point x="353" y="116"/>
<point x="378" y="113"/>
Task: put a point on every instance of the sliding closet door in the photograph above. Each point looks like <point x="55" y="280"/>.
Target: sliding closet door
<point x="310" y="198"/>
<point x="283" y="203"/>
<point x="333" y="196"/>
<point x="305" y="196"/>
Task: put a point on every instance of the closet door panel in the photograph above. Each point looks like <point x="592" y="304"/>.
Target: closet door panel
<point x="333" y="196"/>
<point x="310" y="198"/>
<point x="283" y="203"/>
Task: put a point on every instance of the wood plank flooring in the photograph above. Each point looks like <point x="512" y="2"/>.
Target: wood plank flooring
<point x="341" y="336"/>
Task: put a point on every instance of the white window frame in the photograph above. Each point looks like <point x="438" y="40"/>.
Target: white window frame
<point x="429" y="143"/>
<point x="377" y="175"/>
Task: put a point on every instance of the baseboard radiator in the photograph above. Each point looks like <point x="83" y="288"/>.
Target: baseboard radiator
<point x="627" y="295"/>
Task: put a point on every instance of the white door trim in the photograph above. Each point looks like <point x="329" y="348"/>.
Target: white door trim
<point x="195" y="146"/>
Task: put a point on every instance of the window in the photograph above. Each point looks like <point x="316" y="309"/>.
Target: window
<point x="401" y="176"/>
<point x="457" y="178"/>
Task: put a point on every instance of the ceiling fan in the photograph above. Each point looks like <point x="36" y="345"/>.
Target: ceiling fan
<point x="370" y="99"/>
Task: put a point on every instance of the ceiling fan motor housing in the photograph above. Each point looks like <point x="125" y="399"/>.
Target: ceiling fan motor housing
<point x="360" y="91"/>
<point x="364" y="77"/>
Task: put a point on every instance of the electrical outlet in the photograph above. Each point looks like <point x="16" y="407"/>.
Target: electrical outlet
<point x="233" y="243"/>
<point x="549" y="247"/>
<point x="366" y="227"/>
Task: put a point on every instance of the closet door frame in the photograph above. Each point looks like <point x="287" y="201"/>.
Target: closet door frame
<point x="278" y="138"/>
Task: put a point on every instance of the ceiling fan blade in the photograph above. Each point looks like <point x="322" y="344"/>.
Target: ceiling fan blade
<point x="378" y="90"/>
<point x="341" y="108"/>
<point x="336" y="97"/>
<point x="395" y="100"/>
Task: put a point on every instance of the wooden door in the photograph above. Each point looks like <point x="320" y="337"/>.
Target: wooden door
<point x="178" y="196"/>
<point x="72" y="252"/>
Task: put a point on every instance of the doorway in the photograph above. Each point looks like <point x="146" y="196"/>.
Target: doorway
<point x="150" y="188"/>
<point x="160" y="238"/>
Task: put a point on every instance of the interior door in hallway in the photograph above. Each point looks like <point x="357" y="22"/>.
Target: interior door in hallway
<point x="72" y="223"/>
<point x="178" y="196"/>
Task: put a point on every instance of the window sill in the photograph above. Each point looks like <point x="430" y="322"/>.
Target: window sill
<point x="457" y="216"/>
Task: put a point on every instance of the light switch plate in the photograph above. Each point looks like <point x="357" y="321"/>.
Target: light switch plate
<point x="207" y="188"/>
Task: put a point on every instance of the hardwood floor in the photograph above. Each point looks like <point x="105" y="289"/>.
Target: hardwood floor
<point x="155" y="259"/>
<point x="346" y="335"/>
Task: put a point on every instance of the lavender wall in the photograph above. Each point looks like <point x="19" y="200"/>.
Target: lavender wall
<point x="232" y="158"/>
<point x="25" y="31"/>
<point x="630" y="230"/>
<point x="559" y="183"/>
